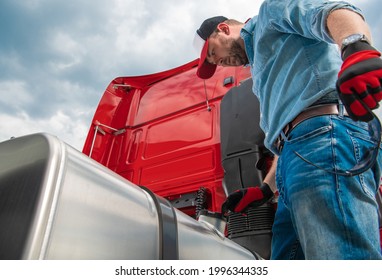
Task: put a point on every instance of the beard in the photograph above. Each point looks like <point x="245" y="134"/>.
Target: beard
<point x="237" y="52"/>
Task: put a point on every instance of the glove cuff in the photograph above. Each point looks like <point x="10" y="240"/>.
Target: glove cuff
<point x="266" y="190"/>
<point x="355" y="47"/>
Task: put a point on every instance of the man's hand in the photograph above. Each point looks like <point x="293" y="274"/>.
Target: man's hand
<point x="359" y="80"/>
<point x="239" y="200"/>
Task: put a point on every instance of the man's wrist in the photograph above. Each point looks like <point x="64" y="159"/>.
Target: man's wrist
<point x="353" y="43"/>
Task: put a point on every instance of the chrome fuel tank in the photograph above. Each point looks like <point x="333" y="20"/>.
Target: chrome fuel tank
<point x="56" y="203"/>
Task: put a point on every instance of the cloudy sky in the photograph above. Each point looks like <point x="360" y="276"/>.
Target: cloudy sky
<point x="58" y="56"/>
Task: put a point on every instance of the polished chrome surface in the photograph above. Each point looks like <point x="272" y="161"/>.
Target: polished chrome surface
<point x="202" y="241"/>
<point x="82" y="210"/>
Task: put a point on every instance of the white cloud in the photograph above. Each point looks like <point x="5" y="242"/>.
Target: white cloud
<point x="15" y="94"/>
<point x="159" y="34"/>
<point x="68" y="49"/>
<point x="68" y="129"/>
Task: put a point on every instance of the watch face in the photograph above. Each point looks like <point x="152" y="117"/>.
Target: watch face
<point x="352" y="38"/>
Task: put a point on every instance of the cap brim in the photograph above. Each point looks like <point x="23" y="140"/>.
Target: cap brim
<point x="205" y="69"/>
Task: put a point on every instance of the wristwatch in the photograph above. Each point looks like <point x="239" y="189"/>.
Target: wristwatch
<point x="352" y="39"/>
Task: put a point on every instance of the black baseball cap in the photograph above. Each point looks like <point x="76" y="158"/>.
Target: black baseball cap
<point x="206" y="69"/>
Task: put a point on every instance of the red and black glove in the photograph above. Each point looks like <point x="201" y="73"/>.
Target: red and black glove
<point x="359" y="80"/>
<point x="239" y="200"/>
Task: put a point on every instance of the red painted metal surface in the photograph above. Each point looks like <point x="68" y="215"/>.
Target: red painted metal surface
<point x="161" y="131"/>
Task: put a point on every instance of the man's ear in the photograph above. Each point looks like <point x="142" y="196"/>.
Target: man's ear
<point x="223" y="27"/>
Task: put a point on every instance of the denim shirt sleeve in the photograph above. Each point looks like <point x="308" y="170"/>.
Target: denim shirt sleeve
<point x="306" y="18"/>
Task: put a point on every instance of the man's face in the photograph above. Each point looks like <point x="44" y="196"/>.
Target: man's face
<point x="224" y="50"/>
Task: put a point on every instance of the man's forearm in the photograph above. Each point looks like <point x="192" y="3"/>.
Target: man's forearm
<point x="270" y="178"/>
<point x="342" y="23"/>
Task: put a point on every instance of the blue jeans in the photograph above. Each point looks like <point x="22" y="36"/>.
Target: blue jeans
<point x="322" y="215"/>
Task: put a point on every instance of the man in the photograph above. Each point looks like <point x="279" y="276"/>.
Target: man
<point x="307" y="57"/>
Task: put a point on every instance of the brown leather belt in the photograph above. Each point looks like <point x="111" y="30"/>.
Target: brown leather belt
<point x="310" y="112"/>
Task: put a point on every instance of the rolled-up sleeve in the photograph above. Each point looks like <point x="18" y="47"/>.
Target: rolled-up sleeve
<point x="303" y="17"/>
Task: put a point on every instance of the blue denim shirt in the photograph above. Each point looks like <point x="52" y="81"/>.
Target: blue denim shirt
<point x="293" y="59"/>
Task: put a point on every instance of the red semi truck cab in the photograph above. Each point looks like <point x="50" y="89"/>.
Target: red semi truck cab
<point x="188" y="140"/>
<point x="162" y="131"/>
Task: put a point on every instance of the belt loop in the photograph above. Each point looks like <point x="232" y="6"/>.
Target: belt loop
<point x="340" y="109"/>
<point x="279" y="143"/>
<point x="282" y="138"/>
